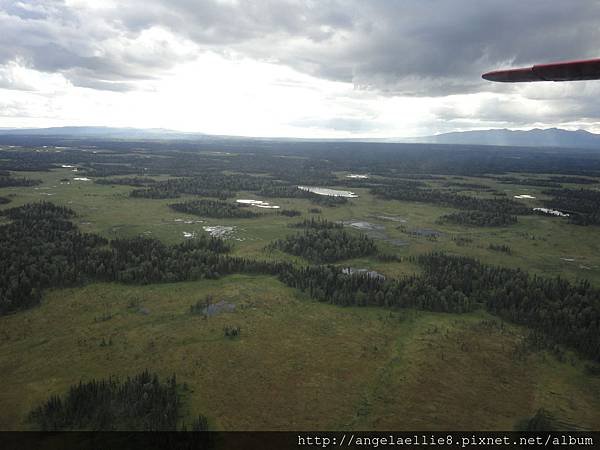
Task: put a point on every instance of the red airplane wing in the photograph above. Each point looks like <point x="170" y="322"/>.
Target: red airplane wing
<point x="561" y="71"/>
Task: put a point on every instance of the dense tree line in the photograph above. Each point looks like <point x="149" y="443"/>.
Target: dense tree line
<point x="138" y="403"/>
<point x="583" y="205"/>
<point x="585" y="219"/>
<point x="325" y="200"/>
<point x="568" y="313"/>
<point x="275" y="190"/>
<point x="208" y="184"/>
<point x="142" y="260"/>
<point x="553" y="182"/>
<point x="40" y="248"/>
<point x="126" y="181"/>
<point x="414" y="183"/>
<point x="330" y="284"/>
<point x="479" y="218"/>
<point x="572" y="179"/>
<point x="421" y="176"/>
<point x="452" y="199"/>
<point x="326" y="245"/>
<point x="467" y="186"/>
<point x="214" y="208"/>
<point x="174" y="188"/>
<point x="8" y="181"/>
<point x="317" y="223"/>
<point x="289" y="212"/>
<point x="108" y="169"/>
<point x="543" y="182"/>
<point x="500" y="248"/>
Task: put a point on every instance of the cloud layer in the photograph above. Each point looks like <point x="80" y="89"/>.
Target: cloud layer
<point x="389" y="49"/>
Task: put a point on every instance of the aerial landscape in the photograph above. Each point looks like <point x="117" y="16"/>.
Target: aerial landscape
<point x="196" y="235"/>
<point x="349" y="276"/>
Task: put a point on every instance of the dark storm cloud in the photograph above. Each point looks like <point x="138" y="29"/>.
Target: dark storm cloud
<point x="415" y="47"/>
<point x="411" y="47"/>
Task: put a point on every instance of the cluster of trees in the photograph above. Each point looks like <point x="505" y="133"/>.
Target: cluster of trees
<point x="500" y="248"/>
<point x="479" y="218"/>
<point x="279" y="190"/>
<point x="208" y="185"/>
<point x="327" y="283"/>
<point x="583" y="205"/>
<point x="138" y="403"/>
<point x="40" y="248"/>
<point x="317" y="223"/>
<point x="8" y="181"/>
<point x="214" y="208"/>
<point x="572" y="179"/>
<point x="232" y="332"/>
<point x="453" y="200"/>
<point x="326" y="245"/>
<point x="422" y="176"/>
<point x="543" y="182"/>
<point x="554" y="181"/>
<point x="109" y="168"/>
<point x="142" y="260"/>
<point x="126" y="181"/>
<point x="567" y="313"/>
<point x="387" y="257"/>
<point x="325" y="200"/>
<point x="469" y="186"/>
<point x="585" y="219"/>
<point x="409" y="182"/>
<point x="290" y="212"/>
<point x="4" y="200"/>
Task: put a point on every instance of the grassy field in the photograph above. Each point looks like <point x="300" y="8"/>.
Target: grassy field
<point x="298" y="363"/>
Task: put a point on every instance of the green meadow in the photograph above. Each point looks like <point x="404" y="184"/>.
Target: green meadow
<point x="297" y="364"/>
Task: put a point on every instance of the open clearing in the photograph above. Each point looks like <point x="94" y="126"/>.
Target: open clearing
<point x="325" y="367"/>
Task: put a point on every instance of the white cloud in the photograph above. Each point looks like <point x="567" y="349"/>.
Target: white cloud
<point x="282" y="67"/>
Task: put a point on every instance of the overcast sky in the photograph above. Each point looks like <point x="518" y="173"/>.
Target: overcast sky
<point x="322" y="68"/>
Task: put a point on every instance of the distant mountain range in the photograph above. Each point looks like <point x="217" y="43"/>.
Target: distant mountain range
<point x="551" y="137"/>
